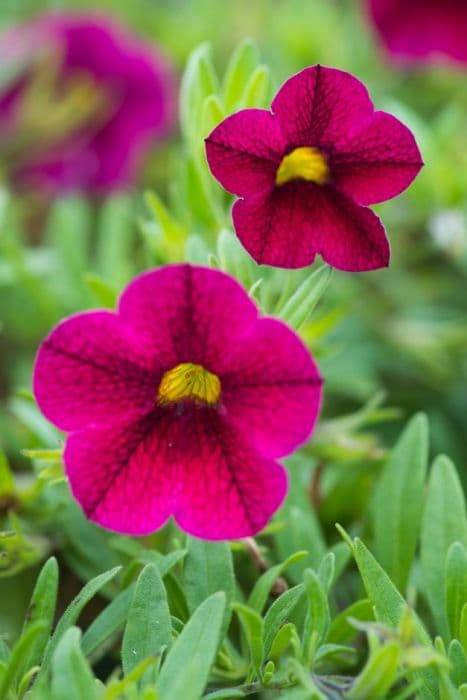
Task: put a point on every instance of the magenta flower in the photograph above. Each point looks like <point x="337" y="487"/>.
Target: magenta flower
<point x="306" y="171"/>
<point x="420" y="30"/>
<point x="88" y="101"/>
<point x="178" y="404"/>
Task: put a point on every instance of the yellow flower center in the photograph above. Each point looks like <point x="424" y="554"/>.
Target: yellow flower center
<point x="189" y="381"/>
<point x="303" y="163"/>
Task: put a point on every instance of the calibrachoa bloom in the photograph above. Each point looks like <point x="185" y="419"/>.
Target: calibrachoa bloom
<point x="87" y="101"/>
<point x="306" y="172"/>
<point x="178" y="404"/>
<point x="422" y="29"/>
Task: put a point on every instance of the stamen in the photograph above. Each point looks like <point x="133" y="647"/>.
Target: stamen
<point x="188" y="381"/>
<point x="304" y="163"/>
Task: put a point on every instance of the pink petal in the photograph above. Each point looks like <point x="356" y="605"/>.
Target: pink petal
<point x="189" y="314"/>
<point x="92" y="369"/>
<point x="322" y="107"/>
<point x="379" y="163"/>
<point x="245" y="150"/>
<point x="289" y="226"/>
<point x="123" y="476"/>
<point x="422" y="29"/>
<point x="228" y="489"/>
<point x="272" y="392"/>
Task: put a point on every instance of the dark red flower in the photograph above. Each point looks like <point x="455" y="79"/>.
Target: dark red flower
<point x="86" y="102"/>
<point x="306" y="172"/>
<point x="180" y="403"/>
<point x="420" y="30"/>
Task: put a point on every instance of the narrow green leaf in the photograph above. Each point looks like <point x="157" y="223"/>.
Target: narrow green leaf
<point x="199" y="80"/>
<point x="378" y="674"/>
<point x="300" y="305"/>
<point x="108" y="621"/>
<point x="41" y="609"/>
<point x="7" y="483"/>
<point x="102" y="290"/>
<point x="318" y="616"/>
<point x="341" y="631"/>
<point x="260" y="592"/>
<point x="73" y="611"/>
<point x="444" y="522"/>
<point x="455" y="586"/>
<point x="185" y="671"/>
<point x="390" y="606"/>
<point x="458" y="661"/>
<point x="208" y="568"/>
<point x="278" y="614"/>
<point x="72" y="677"/>
<point x="257" y="89"/>
<point x="148" y="628"/>
<point x="399" y="499"/>
<point x="463" y="628"/>
<point x="240" y="67"/>
<point x="225" y="694"/>
<point x="19" y="653"/>
<point x="285" y="636"/>
<point x="253" y="626"/>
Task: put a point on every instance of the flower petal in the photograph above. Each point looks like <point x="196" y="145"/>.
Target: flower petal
<point x="321" y="106"/>
<point x="378" y="163"/>
<point x="123" y="476"/>
<point x="228" y="489"/>
<point x="189" y="314"/>
<point x="288" y="227"/>
<point x="245" y="150"/>
<point x="273" y="397"/>
<point x="91" y="369"/>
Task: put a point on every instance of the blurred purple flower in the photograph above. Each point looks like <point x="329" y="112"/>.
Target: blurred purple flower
<point x="86" y="101"/>
<point x="420" y="30"/>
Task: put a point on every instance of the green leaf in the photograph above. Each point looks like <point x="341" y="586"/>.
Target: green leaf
<point x="108" y="621"/>
<point x="260" y="592"/>
<point x="444" y="522"/>
<point x="399" y="499"/>
<point x="7" y="483"/>
<point x="378" y="675"/>
<point x="16" y="660"/>
<point x="300" y="305"/>
<point x="72" y="677"/>
<point x="253" y="627"/>
<point x="239" y="71"/>
<point x="463" y="628"/>
<point x="102" y="290"/>
<point x="115" y="240"/>
<point x="278" y="614"/>
<point x="148" y="629"/>
<point x="286" y="636"/>
<point x="208" y="568"/>
<point x="257" y="89"/>
<point x="185" y="671"/>
<point x="41" y="609"/>
<point x="73" y="611"/>
<point x="341" y="631"/>
<point x="198" y="82"/>
<point x="458" y="660"/>
<point x="390" y="607"/>
<point x="455" y="586"/>
<point x="318" y="616"/>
